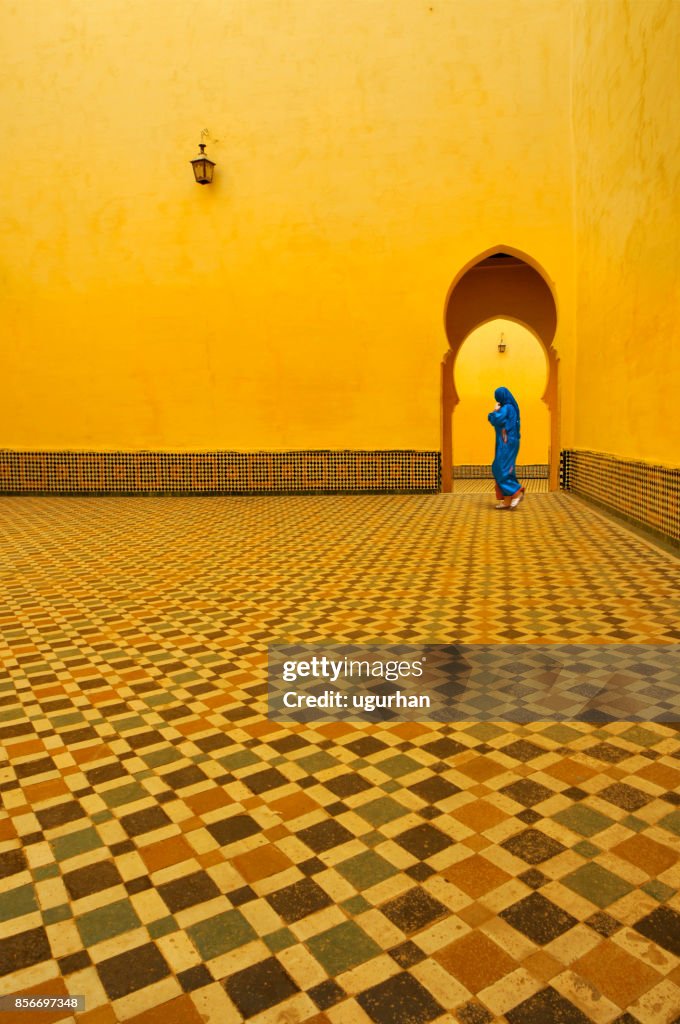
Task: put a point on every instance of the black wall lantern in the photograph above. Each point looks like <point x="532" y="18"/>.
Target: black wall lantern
<point x="501" y="344"/>
<point x="203" y="167"/>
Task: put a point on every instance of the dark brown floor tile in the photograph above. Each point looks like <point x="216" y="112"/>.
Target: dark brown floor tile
<point x="325" y="835"/>
<point x="365" y="746"/>
<point x="533" y="846"/>
<point x="289" y="743"/>
<point x="75" y="962"/>
<point x="407" y="954"/>
<point x="214" y="742"/>
<point x="444" y="747"/>
<point x="413" y="910"/>
<point x="663" y="927"/>
<point x="260" y="987"/>
<point x="148" y="820"/>
<point x="348" y="784"/>
<point x="473" y="1013"/>
<point x="188" y="891"/>
<point x="237" y="897"/>
<point x="231" y="830"/>
<point x="547" y="1007"/>
<point x="298" y="900"/>
<point x="36" y="767"/>
<point x="327" y="994"/>
<point x="399" y="1000"/>
<point x="602" y="923"/>
<point x="144" y="739"/>
<point x="184" y="777"/>
<point x="629" y="798"/>
<point x="608" y="752"/>
<point x="538" y="918"/>
<point x="195" y="977"/>
<point x="262" y="782"/>
<point x="12" y="862"/>
<point x="132" y="970"/>
<point x="423" y="841"/>
<point x="534" y="878"/>
<point x="59" y="814"/>
<point x="24" y="950"/>
<point x="527" y="792"/>
<point x="434" y="789"/>
<point x="523" y="750"/>
<point x="93" y="878"/>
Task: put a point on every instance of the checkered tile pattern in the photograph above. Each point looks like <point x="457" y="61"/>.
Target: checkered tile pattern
<point x="644" y="493"/>
<point x="173" y="855"/>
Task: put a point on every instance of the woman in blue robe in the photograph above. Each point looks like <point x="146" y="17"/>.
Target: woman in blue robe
<point x="505" y="421"/>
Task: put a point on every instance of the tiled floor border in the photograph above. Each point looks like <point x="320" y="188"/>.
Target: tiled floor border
<point x="642" y="493"/>
<point x="536" y="471"/>
<point x="218" y="472"/>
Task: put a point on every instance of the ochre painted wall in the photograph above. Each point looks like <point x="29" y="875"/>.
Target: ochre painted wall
<point x="626" y="87"/>
<point x="366" y="151"/>
<point x="479" y="369"/>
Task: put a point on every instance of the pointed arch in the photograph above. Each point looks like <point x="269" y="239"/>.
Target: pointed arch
<point x="500" y="282"/>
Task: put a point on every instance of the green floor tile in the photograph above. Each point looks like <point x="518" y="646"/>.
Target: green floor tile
<point x="582" y="819"/>
<point x="634" y="824"/>
<point x="127" y="794"/>
<point x="560" y="733"/>
<point x="17" y="902"/>
<point x="586" y="849"/>
<point x="239" y="759"/>
<point x="366" y="869"/>
<point x="100" y="816"/>
<point x="641" y="737"/>
<point x="392" y="786"/>
<point x="659" y="890"/>
<point x="154" y="699"/>
<point x="56" y="914"/>
<point x="671" y="822"/>
<point x="45" y="871"/>
<point x="355" y="905"/>
<point x="60" y="721"/>
<point x="380" y="811"/>
<point x="340" y="948"/>
<point x="315" y="763"/>
<point x="219" y="934"/>
<point x="597" y="884"/>
<point x="398" y="766"/>
<point x="105" y="922"/>
<point x="281" y="939"/>
<point x="75" y="843"/>
<point x="128" y="724"/>
<point x="164" y="926"/>
<point x="160" y="757"/>
<point x="484" y="731"/>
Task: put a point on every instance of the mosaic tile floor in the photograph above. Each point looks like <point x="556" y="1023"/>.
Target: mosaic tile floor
<point x="174" y="856"/>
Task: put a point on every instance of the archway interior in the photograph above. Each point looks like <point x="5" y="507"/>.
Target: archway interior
<point x="479" y="369"/>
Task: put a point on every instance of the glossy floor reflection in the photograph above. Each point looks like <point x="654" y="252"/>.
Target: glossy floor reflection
<point x="173" y="855"/>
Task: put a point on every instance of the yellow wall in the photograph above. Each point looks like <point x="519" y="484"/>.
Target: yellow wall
<point x="479" y="369"/>
<point x="626" y="84"/>
<point x="367" y="151"/>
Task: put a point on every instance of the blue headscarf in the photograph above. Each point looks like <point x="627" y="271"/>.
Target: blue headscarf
<point x="505" y="397"/>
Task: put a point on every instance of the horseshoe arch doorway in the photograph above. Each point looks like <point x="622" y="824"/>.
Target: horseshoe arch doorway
<point x="501" y="283"/>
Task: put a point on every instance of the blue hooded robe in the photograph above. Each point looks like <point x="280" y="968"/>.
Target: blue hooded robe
<point x="505" y="422"/>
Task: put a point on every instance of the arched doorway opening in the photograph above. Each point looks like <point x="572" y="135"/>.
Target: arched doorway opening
<point x="478" y="370"/>
<point x="499" y="283"/>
